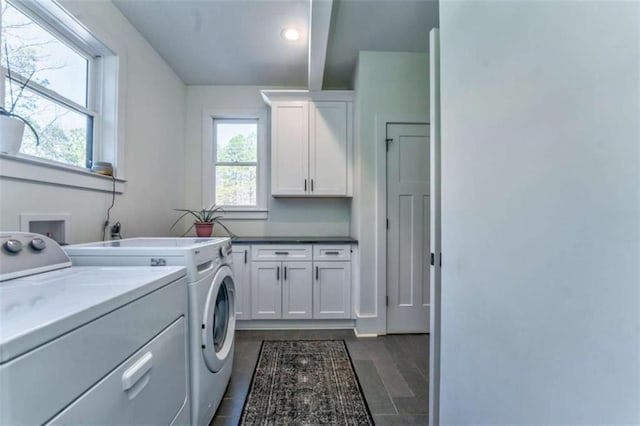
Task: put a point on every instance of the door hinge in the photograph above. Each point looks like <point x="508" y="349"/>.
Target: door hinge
<point x="387" y="223"/>
<point x="433" y="259"/>
<point x="387" y="302"/>
<point x="388" y="141"/>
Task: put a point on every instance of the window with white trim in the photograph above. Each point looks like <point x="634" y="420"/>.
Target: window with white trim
<point x="236" y="162"/>
<point x="237" y="172"/>
<point x="57" y="100"/>
<point x="72" y="96"/>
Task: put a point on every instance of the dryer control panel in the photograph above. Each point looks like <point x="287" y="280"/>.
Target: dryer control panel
<point x="26" y="253"/>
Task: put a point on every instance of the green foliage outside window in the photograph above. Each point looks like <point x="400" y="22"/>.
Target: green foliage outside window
<point x="31" y="50"/>
<point x="236" y="183"/>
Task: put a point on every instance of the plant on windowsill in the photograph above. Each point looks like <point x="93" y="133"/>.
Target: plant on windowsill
<point x="12" y="124"/>
<point x="204" y="221"/>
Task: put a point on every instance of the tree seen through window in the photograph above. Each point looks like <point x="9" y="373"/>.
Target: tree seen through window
<point x="236" y="162"/>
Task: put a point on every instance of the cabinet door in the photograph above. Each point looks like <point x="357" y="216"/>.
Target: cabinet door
<point x="297" y="290"/>
<point x="266" y="294"/>
<point x="332" y="290"/>
<point x="290" y="148"/>
<point x="328" y="149"/>
<point x="242" y="280"/>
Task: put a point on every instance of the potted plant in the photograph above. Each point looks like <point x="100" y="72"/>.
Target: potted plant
<point x="204" y="221"/>
<point x="11" y="124"/>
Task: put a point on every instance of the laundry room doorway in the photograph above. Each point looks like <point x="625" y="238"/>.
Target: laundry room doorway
<point x="408" y="227"/>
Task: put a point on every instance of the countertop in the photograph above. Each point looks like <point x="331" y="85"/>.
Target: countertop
<point x="294" y="240"/>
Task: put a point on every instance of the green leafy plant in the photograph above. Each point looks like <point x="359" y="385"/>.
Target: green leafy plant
<point x="14" y="101"/>
<point x="209" y="215"/>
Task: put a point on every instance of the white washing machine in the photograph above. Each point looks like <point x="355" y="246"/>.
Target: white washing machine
<point x="211" y="294"/>
<point x="80" y="345"/>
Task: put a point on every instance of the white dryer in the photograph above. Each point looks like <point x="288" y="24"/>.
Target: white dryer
<point x="82" y="345"/>
<point x="211" y="295"/>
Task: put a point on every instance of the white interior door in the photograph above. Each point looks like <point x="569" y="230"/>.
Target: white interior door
<point x="408" y="207"/>
<point x="434" y="323"/>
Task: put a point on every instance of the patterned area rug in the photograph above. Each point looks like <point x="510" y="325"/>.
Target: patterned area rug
<point x="305" y="383"/>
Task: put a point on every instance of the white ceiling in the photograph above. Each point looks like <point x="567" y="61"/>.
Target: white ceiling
<point x="237" y="42"/>
<point x="380" y="25"/>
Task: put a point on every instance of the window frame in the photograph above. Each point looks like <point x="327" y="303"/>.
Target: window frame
<point x="72" y="42"/>
<point x="106" y="90"/>
<point x="209" y="161"/>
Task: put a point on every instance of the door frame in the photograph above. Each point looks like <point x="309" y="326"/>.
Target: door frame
<point x="436" y="227"/>
<point x="382" y="123"/>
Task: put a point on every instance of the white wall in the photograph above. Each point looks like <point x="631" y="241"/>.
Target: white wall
<point x="154" y="132"/>
<point x="287" y="217"/>
<point x="385" y="83"/>
<point x="541" y="212"/>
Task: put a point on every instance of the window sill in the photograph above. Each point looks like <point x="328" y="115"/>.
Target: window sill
<point x="237" y="214"/>
<point x="32" y="169"/>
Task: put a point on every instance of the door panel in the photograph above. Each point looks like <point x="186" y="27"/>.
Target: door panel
<point x="332" y="290"/>
<point x="266" y="294"/>
<point x="290" y="148"/>
<point x="328" y="159"/>
<point x="404" y="288"/>
<point x="426" y="238"/>
<point x="408" y="231"/>
<point x="296" y="290"/>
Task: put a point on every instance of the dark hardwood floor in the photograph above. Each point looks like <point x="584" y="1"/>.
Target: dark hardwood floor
<point x="393" y="372"/>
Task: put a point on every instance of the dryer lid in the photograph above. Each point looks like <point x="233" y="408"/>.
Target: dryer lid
<point x="39" y="308"/>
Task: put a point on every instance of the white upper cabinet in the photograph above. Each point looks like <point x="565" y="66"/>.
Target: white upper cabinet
<point x="329" y="149"/>
<point x="311" y="143"/>
<point x="290" y="155"/>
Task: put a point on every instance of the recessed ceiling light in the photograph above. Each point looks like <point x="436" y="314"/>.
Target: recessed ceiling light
<point x="290" y="34"/>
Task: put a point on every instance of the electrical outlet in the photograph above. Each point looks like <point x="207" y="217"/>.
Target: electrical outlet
<point x="115" y="230"/>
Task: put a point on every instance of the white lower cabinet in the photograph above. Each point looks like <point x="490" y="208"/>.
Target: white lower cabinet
<point x="296" y="289"/>
<point x="266" y="292"/>
<point x="242" y="279"/>
<point x="281" y="290"/>
<point x="332" y="290"/>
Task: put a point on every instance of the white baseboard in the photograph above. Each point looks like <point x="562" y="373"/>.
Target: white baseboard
<point x="364" y="335"/>
<point x="295" y="324"/>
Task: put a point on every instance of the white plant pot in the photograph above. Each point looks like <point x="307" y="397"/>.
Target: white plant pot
<point x="11" y="132"/>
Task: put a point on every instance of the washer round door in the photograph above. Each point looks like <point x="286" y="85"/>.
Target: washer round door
<point x="219" y="320"/>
